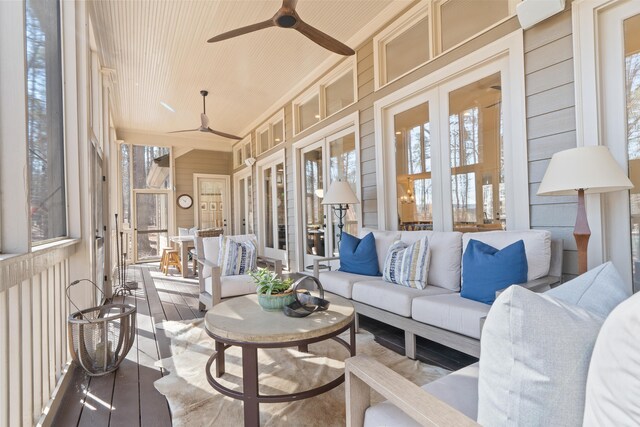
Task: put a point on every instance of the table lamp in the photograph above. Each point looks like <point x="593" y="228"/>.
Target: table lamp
<point x="583" y="170"/>
<point x="341" y="196"/>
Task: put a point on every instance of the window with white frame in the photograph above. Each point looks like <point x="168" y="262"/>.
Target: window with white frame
<point x="271" y="133"/>
<point x="241" y="152"/>
<point x="336" y="91"/>
<point x="45" y="121"/>
<point x="431" y="28"/>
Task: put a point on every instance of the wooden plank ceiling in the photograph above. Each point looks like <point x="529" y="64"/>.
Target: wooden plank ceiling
<point x="159" y="52"/>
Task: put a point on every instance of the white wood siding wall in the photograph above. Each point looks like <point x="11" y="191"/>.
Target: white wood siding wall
<point x="33" y="332"/>
<point x="551" y="124"/>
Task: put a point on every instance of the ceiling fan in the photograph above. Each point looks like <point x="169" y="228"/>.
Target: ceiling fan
<point x="204" y="121"/>
<point x="286" y="17"/>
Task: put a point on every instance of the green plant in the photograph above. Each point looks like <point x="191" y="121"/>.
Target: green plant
<point x="268" y="282"/>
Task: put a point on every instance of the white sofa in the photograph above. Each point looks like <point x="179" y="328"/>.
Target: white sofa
<point x="544" y="376"/>
<point x="438" y="312"/>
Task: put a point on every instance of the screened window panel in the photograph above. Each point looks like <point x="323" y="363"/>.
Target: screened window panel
<point x="408" y="50"/>
<point x="150" y="167"/>
<point x="45" y="136"/>
<point x="308" y="113"/>
<point x="263" y="140"/>
<point x="125" y="180"/>
<point x="461" y="19"/>
<point x="339" y="94"/>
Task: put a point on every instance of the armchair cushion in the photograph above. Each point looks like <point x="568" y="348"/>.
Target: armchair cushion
<point x="613" y="385"/>
<point x="487" y="269"/>
<point x="237" y="257"/>
<point x="599" y="290"/>
<point x="359" y="256"/>
<point x="232" y="286"/>
<point x="458" y="389"/>
<point x="408" y="265"/>
<point x="535" y="356"/>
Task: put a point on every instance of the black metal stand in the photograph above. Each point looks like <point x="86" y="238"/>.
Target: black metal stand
<point x="123" y="287"/>
<point x="341" y="212"/>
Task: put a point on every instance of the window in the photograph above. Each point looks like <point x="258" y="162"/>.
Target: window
<point x="461" y="19"/>
<point x="271" y="133"/>
<point x="336" y="91"/>
<point x="452" y="152"/>
<point x="125" y="182"/>
<point x="429" y="29"/>
<point x="44" y="121"/>
<point x="241" y="152"/>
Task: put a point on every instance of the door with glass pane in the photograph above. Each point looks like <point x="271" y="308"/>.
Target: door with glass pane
<point x="98" y="222"/>
<point x="243" y="202"/>
<point x="212" y="201"/>
<point x="273" y="208"/>
<point x="151" y="227"/>
<point x="314" y="222"/>
<point x="619" y="49"/>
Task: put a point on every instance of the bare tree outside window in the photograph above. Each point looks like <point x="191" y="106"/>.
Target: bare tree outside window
<point x="45" y="120"/>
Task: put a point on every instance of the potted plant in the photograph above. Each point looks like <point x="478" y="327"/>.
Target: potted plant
<point x="273" y="292"/>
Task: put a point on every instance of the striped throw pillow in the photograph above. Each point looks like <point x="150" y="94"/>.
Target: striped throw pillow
<point x="408" y="265"/>
<point x="237" y="257"/>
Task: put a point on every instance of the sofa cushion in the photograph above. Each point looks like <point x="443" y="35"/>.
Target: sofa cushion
<point x="237" y="257"/>
<point x="599" y="290"/>
<point x="341" y="283"/>
<point x="396" y="299"/>
<point x="458" y="389"/>
<point x="359" y="256"/>
<point x="488" y="270"/>
<point x="450" y="312"/>
<point x="535" y="356"/>
<point x="408" y="265"/>
<point x="537" y="245"/>
<point x="384" y="240"/>
<point x="232" y="286"/>
<point x="446" y="254"/>
<point x="613" y="385"/>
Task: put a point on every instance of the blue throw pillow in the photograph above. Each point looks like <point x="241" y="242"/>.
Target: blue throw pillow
<point x="486" y="269"/>
<point x="359" y="256"/>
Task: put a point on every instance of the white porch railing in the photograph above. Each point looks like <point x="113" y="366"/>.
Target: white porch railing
<point x="33" y="331"/>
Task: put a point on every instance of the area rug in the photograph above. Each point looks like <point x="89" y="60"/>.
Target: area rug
<point x="194" y="403"/>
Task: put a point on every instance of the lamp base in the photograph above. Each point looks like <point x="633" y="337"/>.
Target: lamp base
<point x="582" y="232"/>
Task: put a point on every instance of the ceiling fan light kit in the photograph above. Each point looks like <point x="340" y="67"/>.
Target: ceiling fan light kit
<point x="287" y="17"/>
<point x="204" y="122"/>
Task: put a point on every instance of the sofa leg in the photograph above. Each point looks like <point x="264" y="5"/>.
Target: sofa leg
<point x="202" y="307"/>
<point x="410" y="345"/>
<point x="357" y="323"/>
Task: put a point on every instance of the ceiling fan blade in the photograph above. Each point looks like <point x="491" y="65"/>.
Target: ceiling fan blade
<point x="323" y="39"/>
<point x="289" y="4"/>
<point x="186" y="130"/>
<point x="225" y="135"/>
<point x="241" y="31"/>
<point x="204" y="120"/>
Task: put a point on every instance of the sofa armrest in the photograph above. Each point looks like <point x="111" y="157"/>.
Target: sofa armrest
<point x="363" y="373"/>
<point x="276" y="263"/>
<point x="538" y="285"/>
<point x="316" y="264"/>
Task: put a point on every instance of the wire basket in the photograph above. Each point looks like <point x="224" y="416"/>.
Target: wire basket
<point x="100" y="337"/>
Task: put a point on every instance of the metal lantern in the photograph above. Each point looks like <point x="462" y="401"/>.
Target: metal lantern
<point x="100" y="337"/>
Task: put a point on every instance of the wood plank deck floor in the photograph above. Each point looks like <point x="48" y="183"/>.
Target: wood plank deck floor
<point x="127" y="397"/>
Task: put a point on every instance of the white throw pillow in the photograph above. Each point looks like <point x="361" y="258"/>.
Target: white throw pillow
<point x="237" y="258"/>
<point x="613" y="385"/>
<point x="535" y="353"/>
<point x="537" y="246"/>
<point x="408" y="265"/>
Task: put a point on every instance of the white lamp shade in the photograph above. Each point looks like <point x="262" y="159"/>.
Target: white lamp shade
<point x="340" y="193"/>
<point x="592" y="169"/>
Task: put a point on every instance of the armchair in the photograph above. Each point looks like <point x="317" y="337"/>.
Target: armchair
<point x="213" y="286"/>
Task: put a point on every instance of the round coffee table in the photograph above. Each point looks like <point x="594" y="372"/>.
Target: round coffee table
<point x="241" y="322"/>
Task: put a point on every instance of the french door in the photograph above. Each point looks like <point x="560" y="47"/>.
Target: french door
<point x="618" y="50"/>
<point x="272" y="199"/>
<point x="212" y="208"/>
<point x="151" y="224"/>
<point x="98" y="203"/>
<point x="334" y="157"/>
<point x="243" y="201"/>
